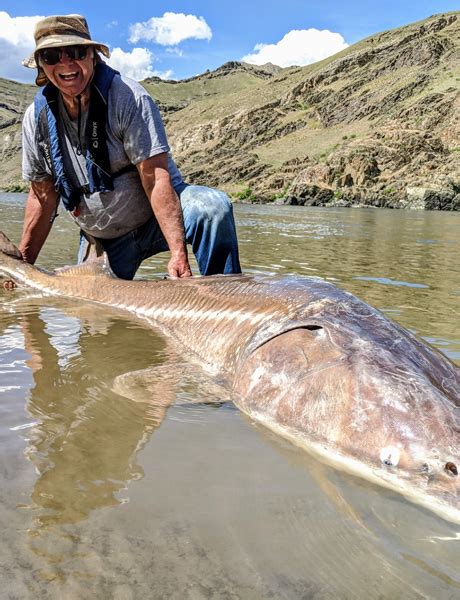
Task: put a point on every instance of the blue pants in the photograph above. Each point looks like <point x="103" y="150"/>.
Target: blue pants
<point x="209" y="228"/>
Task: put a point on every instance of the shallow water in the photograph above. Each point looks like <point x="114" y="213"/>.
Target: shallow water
<point x="111" y="498"/>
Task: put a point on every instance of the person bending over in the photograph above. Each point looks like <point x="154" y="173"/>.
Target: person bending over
<point x="95" y="141"/>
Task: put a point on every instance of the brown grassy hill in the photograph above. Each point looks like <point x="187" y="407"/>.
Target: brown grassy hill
<point x="375" y="124"/>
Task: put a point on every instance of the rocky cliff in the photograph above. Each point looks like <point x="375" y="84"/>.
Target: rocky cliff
<point x="14" y="99"/>
<point x="377" y="124"/>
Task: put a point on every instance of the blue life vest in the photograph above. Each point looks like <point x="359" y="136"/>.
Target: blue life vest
<point x="97" y="156"/>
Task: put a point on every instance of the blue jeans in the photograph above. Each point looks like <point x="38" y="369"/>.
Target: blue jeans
<point x="209" y="228"/>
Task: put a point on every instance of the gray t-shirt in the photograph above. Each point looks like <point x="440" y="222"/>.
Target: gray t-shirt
<point x="135" y="132"/>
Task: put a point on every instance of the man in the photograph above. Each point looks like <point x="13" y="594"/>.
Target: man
<point x="95" y="141"/>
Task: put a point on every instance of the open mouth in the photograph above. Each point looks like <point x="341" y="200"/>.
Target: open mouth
<point x="68" y="76"/>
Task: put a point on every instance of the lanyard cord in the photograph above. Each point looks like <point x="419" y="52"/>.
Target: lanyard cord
<point x="79" y="150"/>
<point x="79" y="146"/>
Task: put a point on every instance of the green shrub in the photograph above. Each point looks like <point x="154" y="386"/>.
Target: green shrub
<point x="281" y="194"/>
<point x="15" y="187"/>
<point x="246" y="194"/>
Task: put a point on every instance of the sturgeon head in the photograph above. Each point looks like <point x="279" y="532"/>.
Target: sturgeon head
<point x="366" y="395"/>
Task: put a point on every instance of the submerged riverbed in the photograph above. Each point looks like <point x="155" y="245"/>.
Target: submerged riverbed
<point x="109" y="497"/>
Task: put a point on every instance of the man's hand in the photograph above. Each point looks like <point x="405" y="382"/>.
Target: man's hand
<point x="10" y="249"/>
<point x="9" y="285"/>
<point x="179" y="267"/>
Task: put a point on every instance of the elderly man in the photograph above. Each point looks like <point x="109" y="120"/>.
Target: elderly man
<point x="95" y="140"/>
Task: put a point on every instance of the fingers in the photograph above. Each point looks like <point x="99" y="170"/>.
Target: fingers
<point x="179" y="275"/>
<point x="178" y="269"/>
<point x="9" y="285"/>
<point x="186" y="273"/>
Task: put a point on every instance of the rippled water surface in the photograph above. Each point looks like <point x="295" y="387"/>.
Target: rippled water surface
<point x="106" y="496"/>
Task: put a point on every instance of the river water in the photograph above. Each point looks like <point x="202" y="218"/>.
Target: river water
<point x="106" y="497"/>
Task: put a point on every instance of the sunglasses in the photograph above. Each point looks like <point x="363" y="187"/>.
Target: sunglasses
<point x="51" y="56"/>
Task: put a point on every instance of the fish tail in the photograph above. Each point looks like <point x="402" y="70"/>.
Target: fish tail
<point x="7" y="247"/>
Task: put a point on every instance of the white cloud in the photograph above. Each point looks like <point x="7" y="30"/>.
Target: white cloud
<point x="174" y="50"/>
<point x="136" y="64"/>
<point x="16" y="43"/>
<point x="170" y="29"/>
<point x="18" y="30"/>
<point x="298" y="47"/>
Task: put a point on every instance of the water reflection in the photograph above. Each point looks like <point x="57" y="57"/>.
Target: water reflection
<point x="84" y="447"/>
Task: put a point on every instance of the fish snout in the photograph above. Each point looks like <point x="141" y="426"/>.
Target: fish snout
<point x="440" y="473"/>
<point x="441" y="476"/>
<point x="444" y="483"/>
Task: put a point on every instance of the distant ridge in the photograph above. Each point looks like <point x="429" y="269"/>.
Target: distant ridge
<point x="376" y="124"/>
<point x="264" y="72"/>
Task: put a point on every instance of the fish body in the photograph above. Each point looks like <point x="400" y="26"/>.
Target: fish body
<point x="308" y="360"/>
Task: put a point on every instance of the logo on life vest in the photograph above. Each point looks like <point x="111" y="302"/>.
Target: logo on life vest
<point x="46" y="152"/>
<point x="94" y="140"/>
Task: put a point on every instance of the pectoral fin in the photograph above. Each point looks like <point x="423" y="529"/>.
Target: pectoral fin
<point x="163" y="384"/>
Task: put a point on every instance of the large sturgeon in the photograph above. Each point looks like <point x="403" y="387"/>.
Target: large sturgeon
<point x="307" y="360"/>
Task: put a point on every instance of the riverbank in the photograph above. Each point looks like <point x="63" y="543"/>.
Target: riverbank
<point x="445" y="198"/>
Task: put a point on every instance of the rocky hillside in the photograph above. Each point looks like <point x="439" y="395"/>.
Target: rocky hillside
<point x="377" y="124"/>
<point x="14" y="99"/>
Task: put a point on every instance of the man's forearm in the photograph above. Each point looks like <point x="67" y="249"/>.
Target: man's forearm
<point x="167" y="209"/>
<point x="168" y="212"/>
<point x="38" y="218"/>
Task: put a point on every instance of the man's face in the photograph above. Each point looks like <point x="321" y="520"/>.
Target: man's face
<point x="70" y="75"/>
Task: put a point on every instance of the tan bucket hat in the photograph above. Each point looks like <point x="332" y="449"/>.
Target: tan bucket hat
<point x="58" y="31"/>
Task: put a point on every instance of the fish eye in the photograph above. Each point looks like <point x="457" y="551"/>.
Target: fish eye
<point x="390" y="456"/>
<point x="451" y="468"/>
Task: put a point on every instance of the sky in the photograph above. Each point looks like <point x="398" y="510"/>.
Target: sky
<point x="179" y="39"/>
